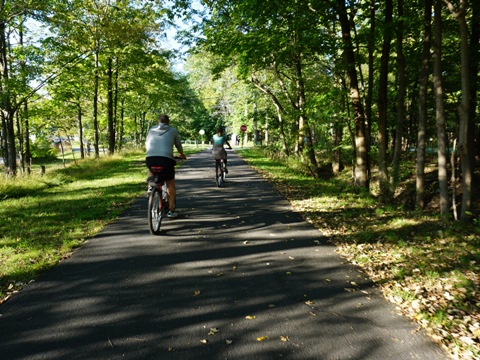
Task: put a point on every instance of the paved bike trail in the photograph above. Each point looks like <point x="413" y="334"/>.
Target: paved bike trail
<point x="239" y="275"/>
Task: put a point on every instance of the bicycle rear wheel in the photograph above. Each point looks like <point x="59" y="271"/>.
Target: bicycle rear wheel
<point x="224" y="171"/>
<point x="156" y="211"/>
<point x="219" y="177"/>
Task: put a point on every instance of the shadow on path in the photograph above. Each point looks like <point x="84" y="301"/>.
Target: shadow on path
<point x="236" y="267"/>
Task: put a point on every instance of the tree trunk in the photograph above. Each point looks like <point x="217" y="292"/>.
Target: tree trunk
<point x="282" y="130"/>
<point x="25" y="141"/>
<point x="474" y="48"/>
<point x="402" y="89"/>
<point x="358" y="114"/>
<point x="337" y="138"/>
<point x="7" y="113"/>
<point x="28" y="153"/>
<point x="440" y="112"/>
<point x="303" y="118"/>
<point x="422" y="106"/>
<point x="121" y="124"/>
<point x="464" y="147"/>
<point x="382" y="105"/>
<point x="80" y="130"/>
<point x="95" y="105"/>
<point x="20" y="142"/>
<point x="371" y="82"/>
<point x="111" y="129"/>
<point x="278" y="106"/>
<point x="116" y="127"/>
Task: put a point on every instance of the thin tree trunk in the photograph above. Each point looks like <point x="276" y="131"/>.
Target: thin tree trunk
<point x="402" y="89"/>
<point x="474" y="48"/>
<point x="111" y="129"/>
<point x="301" y="106"/>
<point x="453" y="180"/>
<point x="80" y="130"/>
<point x="371" y="80"/>
<point x="95" y="106"/>
<point x="422" y="106"/>
<point x="358" y="114"/>
<point x="116" y="130"/>
<point x="121" y="124"/>
<point x="463" y="137"/>
<point x="440" y="112"/>
<point x="20" y="142"/>
<point x="382" y="105"/>
<point x="24" y="142"/>
<point x="28" y="153"/>
<point x="337" y="138"/>
<point x="278" y="106"/>
<point x="282" y="130"/>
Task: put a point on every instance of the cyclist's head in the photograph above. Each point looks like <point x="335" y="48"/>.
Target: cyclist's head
<point x="163" y="119"/>
<point x="219" y="130"/>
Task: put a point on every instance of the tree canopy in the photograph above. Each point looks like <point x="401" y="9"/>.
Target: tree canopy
<point x="332" y="84"/>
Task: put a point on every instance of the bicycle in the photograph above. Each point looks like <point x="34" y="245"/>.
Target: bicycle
<point x="158" y="206"/>
<point x="220" y="172"/>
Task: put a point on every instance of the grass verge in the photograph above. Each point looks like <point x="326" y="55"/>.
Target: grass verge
<point x="44" y="218"/>
<point x="428" y="267"/>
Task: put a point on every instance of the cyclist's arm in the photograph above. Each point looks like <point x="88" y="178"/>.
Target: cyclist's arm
<point x="178" y="145"/>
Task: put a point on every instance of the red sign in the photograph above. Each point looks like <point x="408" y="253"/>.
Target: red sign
<point x="243" y="128"/>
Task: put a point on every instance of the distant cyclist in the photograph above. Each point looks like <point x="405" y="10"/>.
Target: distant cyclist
<point x="160" y="142"/>
<point x="219" y="140"/>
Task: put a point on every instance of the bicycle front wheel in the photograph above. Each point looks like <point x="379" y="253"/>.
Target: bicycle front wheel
<point x="155" y="211"/>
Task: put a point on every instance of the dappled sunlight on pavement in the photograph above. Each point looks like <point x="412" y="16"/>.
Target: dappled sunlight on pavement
<point x="238" y="275"/>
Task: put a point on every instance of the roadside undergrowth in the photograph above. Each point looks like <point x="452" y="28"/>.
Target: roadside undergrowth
<point x="427" y="266"/>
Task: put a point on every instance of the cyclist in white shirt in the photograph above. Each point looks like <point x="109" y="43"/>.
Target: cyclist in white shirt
<point x="160" y="142"/>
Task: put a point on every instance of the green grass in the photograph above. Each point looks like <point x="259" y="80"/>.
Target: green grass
<point x="430" y="268"/>
<point x="44" y="218"/>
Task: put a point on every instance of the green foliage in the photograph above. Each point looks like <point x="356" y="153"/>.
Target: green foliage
<point x="42" y="150"/>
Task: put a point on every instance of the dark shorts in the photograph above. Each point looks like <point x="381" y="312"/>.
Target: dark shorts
<point x="167" y="164"/>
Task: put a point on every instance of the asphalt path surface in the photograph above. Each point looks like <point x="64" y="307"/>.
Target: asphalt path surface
<point x="238" y="275"/>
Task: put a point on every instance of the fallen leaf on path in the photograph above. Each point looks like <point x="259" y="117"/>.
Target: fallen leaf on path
<point x="262" y="338"/>
<point x="196" y="293"/>
<point x="204" y="341"/>
<point x="228" y="341"/>
<point x="284" y="338"/>
<point x="213" y="331"/>
<point x="250" y="317"/>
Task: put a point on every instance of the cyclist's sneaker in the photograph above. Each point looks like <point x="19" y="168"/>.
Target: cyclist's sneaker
<point x="172" y="214"/>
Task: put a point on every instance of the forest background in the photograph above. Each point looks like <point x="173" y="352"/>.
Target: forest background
<point x="384" y="91"/>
